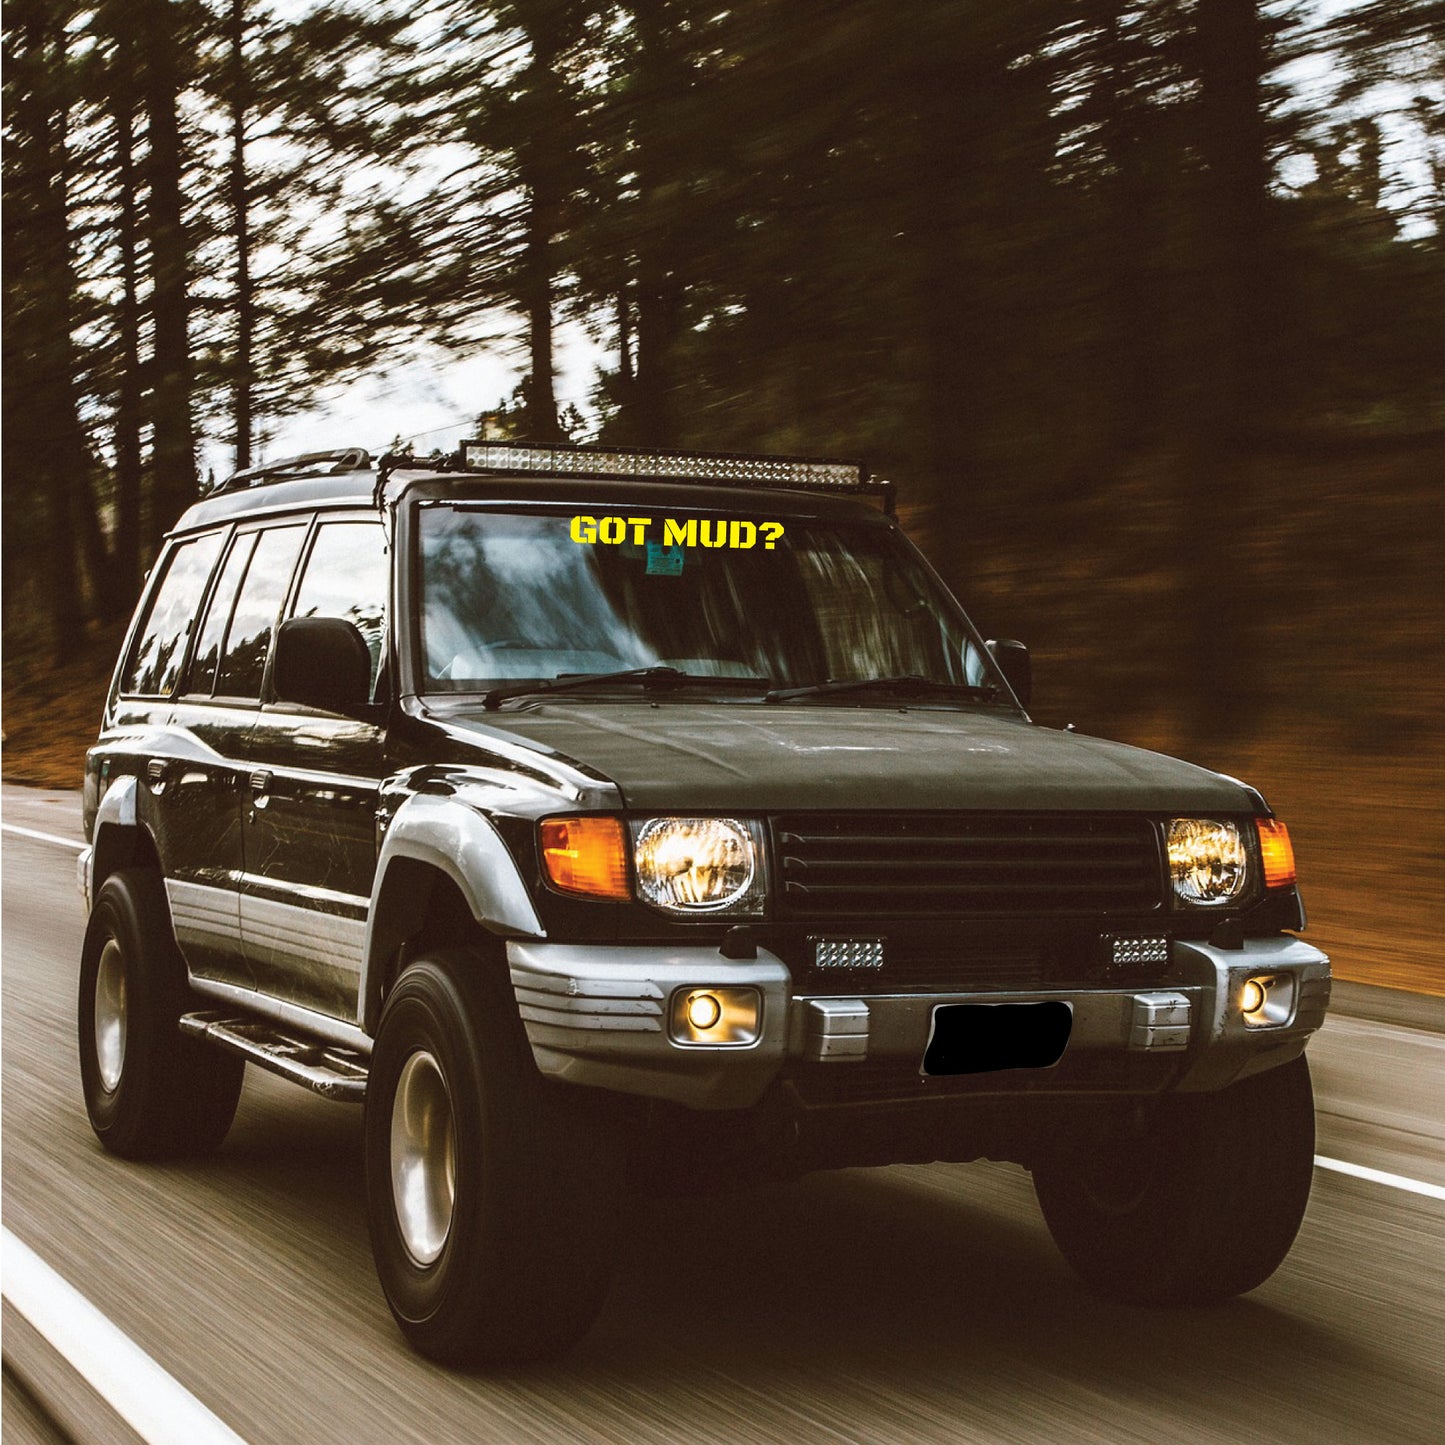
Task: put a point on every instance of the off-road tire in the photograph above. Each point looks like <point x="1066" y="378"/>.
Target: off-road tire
<point x="526" y="1261"/>
<point x="1198" y="1202"/>
<point x="175" y="1096"/>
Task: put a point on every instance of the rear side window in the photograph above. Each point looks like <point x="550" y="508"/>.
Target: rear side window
<point x="248" y="639"/>
<point x="155" y="664"/>
<point x="218" y="614"/>
<point x="346" y="576"/>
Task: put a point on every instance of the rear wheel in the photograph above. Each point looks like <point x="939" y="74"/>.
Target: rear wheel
<point x="490" y="1192"/>
<point x="1197" y="1201"/>
<point x="150" y="1091"/>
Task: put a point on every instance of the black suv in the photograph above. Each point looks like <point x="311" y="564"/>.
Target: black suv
<point x="605" y="820"/>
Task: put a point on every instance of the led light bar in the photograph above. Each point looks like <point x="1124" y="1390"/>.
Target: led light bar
<point x="758" y="471"/>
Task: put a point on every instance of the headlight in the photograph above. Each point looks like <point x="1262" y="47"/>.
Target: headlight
<point x="699" y="865"/>
<point x="1208" y="863"/>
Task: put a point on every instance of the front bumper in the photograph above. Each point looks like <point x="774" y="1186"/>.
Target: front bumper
<point x="598" y="1015"/>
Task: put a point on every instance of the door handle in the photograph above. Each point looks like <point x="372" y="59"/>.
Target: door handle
<point x="260" y="790"/>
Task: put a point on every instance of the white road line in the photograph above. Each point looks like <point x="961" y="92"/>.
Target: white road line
<point x="159" y="1409"/>
<point x="43" y="837"/>
<point x="1378" y="1176"/>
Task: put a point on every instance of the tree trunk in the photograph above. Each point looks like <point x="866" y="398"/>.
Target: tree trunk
<point x="625" y="369"/>
<point x="1217" y="615"/>
<point x="39" y="297"/>
<point x="659" y="290"/>
<point x="1233" y="219"/>
<point x="244" y="384"/>
<point x="174" y="462"/>
<point x="536" y="288"/>
<point x="1136" y="239"/>
<point x="94" y="550"/>
<point x="541" y="166"/>
<point x="128" y="562"/>
<point x="958" y="512"/>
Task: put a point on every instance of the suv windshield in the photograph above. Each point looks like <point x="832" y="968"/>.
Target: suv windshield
<point x="510" y="596"/>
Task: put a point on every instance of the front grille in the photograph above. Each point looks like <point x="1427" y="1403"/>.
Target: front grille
<point x="866" y="865"/>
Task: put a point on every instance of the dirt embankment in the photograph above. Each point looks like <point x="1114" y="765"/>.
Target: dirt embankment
<point x="51" y="714"/>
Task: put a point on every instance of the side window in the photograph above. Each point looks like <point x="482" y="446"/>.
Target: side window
<point x="156" y="661"/>
<point x="248" y="639"/>
<point x="346" y="576"/>
<point x="218" y="614"/>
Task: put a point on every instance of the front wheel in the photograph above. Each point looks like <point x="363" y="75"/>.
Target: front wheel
<point x="489" y="1191"/>
<point x="1197" y="1201"/>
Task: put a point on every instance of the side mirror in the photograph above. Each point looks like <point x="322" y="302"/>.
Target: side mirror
<point x="323" y="662"/>
<point x="1013" y="661"/>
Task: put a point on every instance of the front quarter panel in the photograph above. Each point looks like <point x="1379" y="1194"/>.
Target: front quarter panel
<point x="455" y="838"/>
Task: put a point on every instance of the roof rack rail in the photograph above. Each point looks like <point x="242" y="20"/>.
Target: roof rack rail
<point x="308" y="464"/>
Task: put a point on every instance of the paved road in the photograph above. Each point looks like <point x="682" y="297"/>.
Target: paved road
<point x="899" y="1305"/>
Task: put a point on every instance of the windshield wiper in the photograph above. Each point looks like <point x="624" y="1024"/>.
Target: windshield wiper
<point x="909" y="682"/>
<point x="657" y="678"/>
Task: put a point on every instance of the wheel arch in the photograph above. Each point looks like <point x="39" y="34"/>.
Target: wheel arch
<point x="442" y="864"/>
<point x="120" y="839"/>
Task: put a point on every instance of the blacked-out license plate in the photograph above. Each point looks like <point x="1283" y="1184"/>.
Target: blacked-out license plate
<point x="978" y="1038"/>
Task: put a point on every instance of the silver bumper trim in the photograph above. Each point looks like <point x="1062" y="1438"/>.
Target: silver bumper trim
<point x="837" y="1028"/>
<point x="1225" y="1049"/>
<point x="1160" y="1022"/>
<point x="596" y="1015"/>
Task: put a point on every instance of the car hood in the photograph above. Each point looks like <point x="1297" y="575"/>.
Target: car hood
<point x="746" y="756"/>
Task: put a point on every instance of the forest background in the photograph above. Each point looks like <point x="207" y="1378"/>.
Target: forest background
<point x="1141" y="303"/>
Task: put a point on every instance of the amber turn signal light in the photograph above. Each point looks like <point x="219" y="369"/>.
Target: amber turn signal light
<point x="586" y="856"/>
<point x="1276" y="852"/>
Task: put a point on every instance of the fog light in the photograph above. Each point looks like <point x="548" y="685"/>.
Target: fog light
<point x="716" y="1017"/>
<point x="1266" y="1000"/>
<point x="703" y="1011"/>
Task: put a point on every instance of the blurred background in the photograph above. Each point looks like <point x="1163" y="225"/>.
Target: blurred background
<point x="1141" y="302"/>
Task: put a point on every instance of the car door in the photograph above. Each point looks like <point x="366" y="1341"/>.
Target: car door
<point x="202" y="789"/>
<point x="186" y="797"/>
<point x="310" y="825"/>
<point x="212" y="719"/>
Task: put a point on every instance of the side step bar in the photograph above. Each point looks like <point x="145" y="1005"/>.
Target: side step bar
<point x="333" y="1072"/>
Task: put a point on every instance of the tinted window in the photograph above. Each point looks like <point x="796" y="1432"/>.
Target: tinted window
<point x="156" y="662"/>
<point x="248" y="639"/>
<point x="218" y="614"/>
<point x="346" y="576"/>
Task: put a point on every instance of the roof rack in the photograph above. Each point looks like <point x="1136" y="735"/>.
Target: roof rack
<point x="308" y="464"/>
<point x="738" y="469"/>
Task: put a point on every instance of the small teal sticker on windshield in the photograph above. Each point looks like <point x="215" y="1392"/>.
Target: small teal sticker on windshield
<point x="664" y="561"/>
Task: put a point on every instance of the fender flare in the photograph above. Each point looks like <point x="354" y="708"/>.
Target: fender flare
<point x="116" y="812"/>
<point x="458" y="841"/>
<point x="118" y="803"/>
